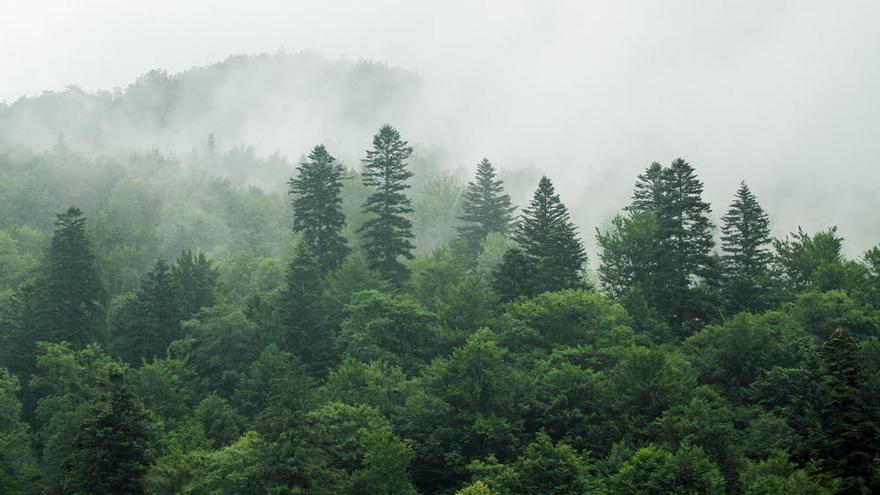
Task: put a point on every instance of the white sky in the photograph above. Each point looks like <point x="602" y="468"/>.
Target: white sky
<point x="782" y="94"/>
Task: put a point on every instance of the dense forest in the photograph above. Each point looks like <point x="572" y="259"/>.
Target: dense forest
<point x="167" y="327"/>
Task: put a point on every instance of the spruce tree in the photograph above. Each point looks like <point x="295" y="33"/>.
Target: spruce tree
<point x="515" y="276"/>
<point x="685" y="268"/>
<point x="111" y="448"/>
<point x="549" y="238"/>
<point x="194" y="281"/>
<point x="486" y="209"/>
<point x="307" y="332"/>
<point x="387" y="233"/>
<point x="75" y="293"/>
<point x="850" y="440"/>
<point x="745" y="238"/>
<point x="317" y="207"/>
<point x="153" y="318"/>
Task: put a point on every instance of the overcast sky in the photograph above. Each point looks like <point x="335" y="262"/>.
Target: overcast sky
<point x="784" y="95"/>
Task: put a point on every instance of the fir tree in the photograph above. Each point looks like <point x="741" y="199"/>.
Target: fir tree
<point x="307" y="332"/>
<point x="317" y="207"/>
<point x="194" y="281"/>
<point x="850" y="439"/>
<point x="75" y="293"/>
<point x="111" y="449"/>
<point x="549" y="238"/>
<point x="387" y="234"/>
<point x="686" y="271"/>
<point x="515" y="275"/>
<point x="486" y="209"/>
<point x="745" y="238"/>
<point x="153" y="318"/>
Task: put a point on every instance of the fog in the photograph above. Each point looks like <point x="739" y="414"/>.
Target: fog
<point x="783" y="95"/>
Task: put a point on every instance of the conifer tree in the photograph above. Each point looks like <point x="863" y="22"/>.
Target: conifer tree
<point x="317" y="207"/>
<point x="194" y="281"/>
<point x="307" y="332"/>
<point x="153" y="318"/>
<point x="686" y="270"/>
<point x="745" y="238"/>
<point x="387" y="233"/>
<point x="486" y="209"/>
<point x="75" y="293"/>
<point x="515" y="275"/>
<point x="850" y="439"/>
<point x="549" y="238"/>
<point x="111" y="449"/>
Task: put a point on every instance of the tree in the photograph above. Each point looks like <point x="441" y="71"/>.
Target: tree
<point x="76" y="295"/>
<point x="515" y="275"/>
<point x="800" y="257"/>
<point x="307" y="332"/>
<point x="655" y="471"/>
<point x="745" y="237"/>
<point x="317" y="207"/>
<point x="194" y="282"/>
<point x="684" y="269"/>
<point x="17" y="469"/>
<point x="111" y="449"/>
<point x="549" y="238"/>
<point x="153" y="320"/>
<point x="486" y="209"/>
<point x="387" y="233"/>
<point x="848" y="445"/>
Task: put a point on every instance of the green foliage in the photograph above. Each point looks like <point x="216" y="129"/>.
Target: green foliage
<point x="316" y="191"/>
<point x="75" y="293"/>
<point x="111" y="448"/>
<point x="194" y="281"/>
<point x="745" y="237"/>
<point x="387" y="233"/>
<point x="306" y="329"/>
<point x="800" y="257"/>
<point x="18" y="471"/>
<point x="486" y="209"/>
<point x="396" y="329"/>
<point x="549" y="240"/>
<point x="655" y="471"/>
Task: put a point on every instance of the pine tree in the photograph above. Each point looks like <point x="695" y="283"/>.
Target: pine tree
<point x="850" y="439"/>
<point x="75" y="293"/>
<point x="486" y="209"/>
<point x="317" y="207"/>
<point x="308" y="333"/>
<point x="387" y="234"/>
<point x="194" y="281"/>
<point x="111" y="449"/>
<point x="745" y="238"/>
<point x="549" y="238"/>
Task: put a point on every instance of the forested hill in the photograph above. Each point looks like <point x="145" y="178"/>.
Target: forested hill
<point x="320" y="347"/>
<point x="281" y="101"/>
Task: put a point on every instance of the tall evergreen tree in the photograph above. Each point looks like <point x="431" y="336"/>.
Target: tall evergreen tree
<point x="75" y="293"/>
<point x="307" y="332"/>
<point x="194" y="281"/>
<point x="850" y="440"/>
<point x="387" y="234"/>
<point x="111" y="448"/>
<point x="549" y="238"/>
<point x="486" y="209"/>
<point x="317" y="206"/>
<point x="686" y="268"/>
<point x="153" y="319"/>
<point x="745" y="238"/>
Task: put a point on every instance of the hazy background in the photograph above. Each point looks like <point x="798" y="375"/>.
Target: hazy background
<point x="784" y="95"/>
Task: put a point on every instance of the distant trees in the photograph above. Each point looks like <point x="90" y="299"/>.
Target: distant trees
<point x="486" y="208"/>
<point x="553" y="255"/>
<point x="317" y="207"/>
<point x="745" y="238"/>
<point x="387" y="233"/>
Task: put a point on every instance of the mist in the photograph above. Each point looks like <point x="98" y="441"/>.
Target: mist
<point x="782" y="95"/>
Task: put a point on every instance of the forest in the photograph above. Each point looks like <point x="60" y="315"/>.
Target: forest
<point x="169" y="327"/>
